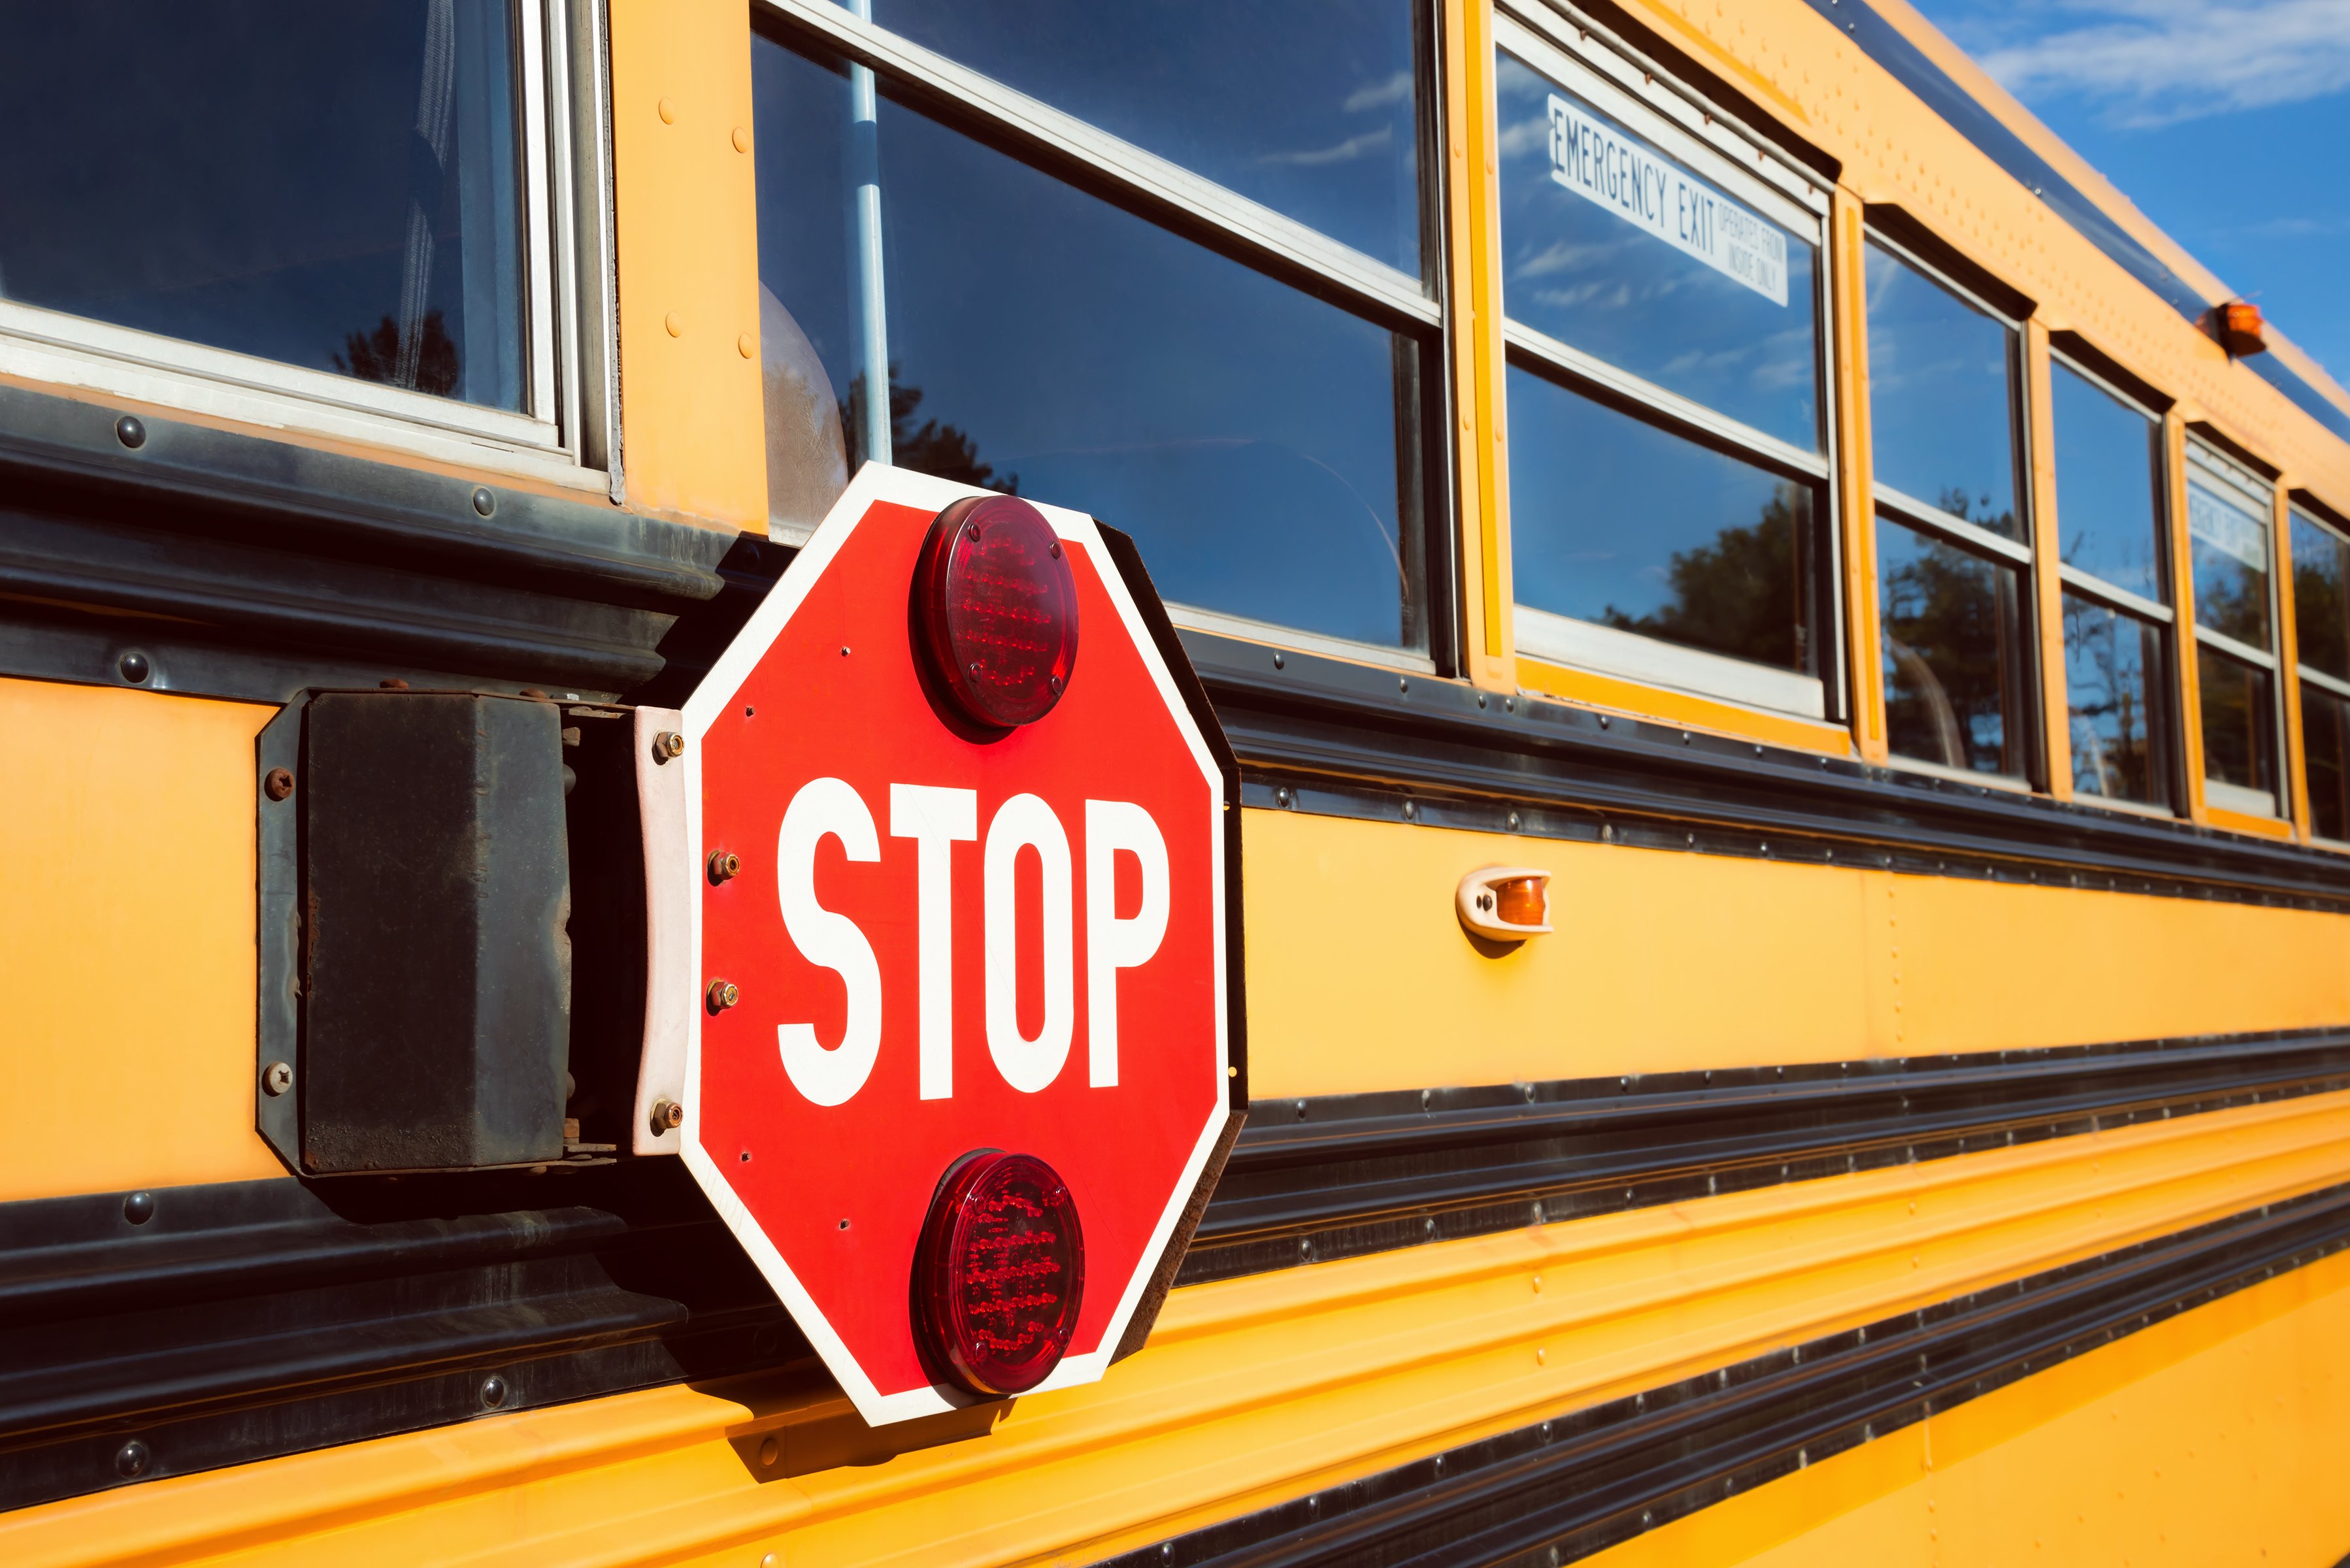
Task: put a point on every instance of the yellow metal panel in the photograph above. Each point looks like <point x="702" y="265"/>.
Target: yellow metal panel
<point x="126" y="940"/>
<point x="692" y="433"/>
<point x="1359" y="976"/>
<point x="2039" y="450"/>
<point x="1252" y="1390"/>
<point x="2217" y="1437"/>
<point x="1855" y="496"/>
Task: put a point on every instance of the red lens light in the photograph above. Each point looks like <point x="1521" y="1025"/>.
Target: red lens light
<point x="997" y="605"/>
<point x="999" y="1272"/>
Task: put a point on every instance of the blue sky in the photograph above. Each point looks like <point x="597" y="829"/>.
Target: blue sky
<point x="2228" y="124"/>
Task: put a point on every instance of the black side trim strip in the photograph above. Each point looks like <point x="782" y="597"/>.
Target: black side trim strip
<point x="1359" y="740"/>
<point x="1329" y="1178"/>
<point x="1569" y="1486"/>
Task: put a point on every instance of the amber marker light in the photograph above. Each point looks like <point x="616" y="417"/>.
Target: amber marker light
<point x="1504" y="903"/>
<point x="995" y="609"/>
<point x="2238" y="328"/>
<point x="999" y="1273"/>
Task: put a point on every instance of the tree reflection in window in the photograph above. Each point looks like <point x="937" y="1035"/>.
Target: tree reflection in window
<point x="2113" y="681"/>
<point x="1950" y="619"/>
<point x="1741" y="594"/>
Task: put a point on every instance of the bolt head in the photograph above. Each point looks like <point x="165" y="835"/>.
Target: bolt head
<point x="668" y="746"/>
<point x="131" y="433"/>
<point x="493" y="1391"/>
<point x="278" y="784"/>
<point x="278" y="1077"/>
<point x="484" y="502"/>
<point x="724" y="865"/>
<point x="130" y="1460"/>
<point x="134" y="668"/>
<point x="668" y="1116"/>
<point x="724" y="994"/>
<point x="139" y="1207"/>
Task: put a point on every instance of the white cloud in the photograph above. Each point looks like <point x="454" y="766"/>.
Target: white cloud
<point x="1396" y="90"/>
<point x="2155" y="62"/>
<point x="1347" y="151"/>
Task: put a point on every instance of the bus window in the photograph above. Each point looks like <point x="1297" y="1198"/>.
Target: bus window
<point x="2228" y="533"/>
<point x="330" y="187"/>
<point x="1951" y="557"/>
<point x="2320" y="571"/>
<point x="1667" y="467"/>
<point x="2117" y="610"/>
<point x="1311" y="109"/>
<point x="976" y="316"/>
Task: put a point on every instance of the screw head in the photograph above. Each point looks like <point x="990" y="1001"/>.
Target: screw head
<point x="668" y="1116"/>
<point x="724" y="865"/>
<point x="724" y="994"/>
<point x="130" y="1460"/>
<point x="668" y="746"/>
<point x="484" y="502"/>
<point x="278" y="784"/>
<point x="493" y="1391"/>
<point x="134" y="668"/>
<point x="278" y="1077"/>
<point x="139" y="1207"/>
<point x="130" y="431"/>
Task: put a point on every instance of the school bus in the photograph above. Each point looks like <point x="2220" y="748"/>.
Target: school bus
<point x="1726" y="461"/>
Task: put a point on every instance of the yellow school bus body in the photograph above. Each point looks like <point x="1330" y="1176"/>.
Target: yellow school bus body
<point x="2212" y="1432"/>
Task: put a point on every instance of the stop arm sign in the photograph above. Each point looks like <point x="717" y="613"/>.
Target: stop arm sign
<point x="936" y="956"/>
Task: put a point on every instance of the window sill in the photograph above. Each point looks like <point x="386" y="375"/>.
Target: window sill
<point x="2007" y="781"/>
<point x="2259" y="826"/>
<point x="1242" y="630"/>
<point x="1658" y="702"/>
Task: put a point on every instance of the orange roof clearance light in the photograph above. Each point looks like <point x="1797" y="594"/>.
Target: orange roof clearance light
<point x="2236" y="325"/>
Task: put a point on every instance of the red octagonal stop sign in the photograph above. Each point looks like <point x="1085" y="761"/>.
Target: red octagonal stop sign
<point x="944" y="938"/>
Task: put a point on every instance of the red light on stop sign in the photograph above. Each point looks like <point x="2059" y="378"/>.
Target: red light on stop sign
<point x="999" y="1273"/>
<point x="997" y="606"/>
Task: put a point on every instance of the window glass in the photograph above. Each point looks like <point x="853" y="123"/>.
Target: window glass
<point x="2321" y="620"/>
<point x="1940" y="379"/>
<point x="330" y="186"/>
<point x="2239" y="733"/>
<point x="2113" y="690"/>
<point x="1046" y="342"/>
<point x="1953" y="621"/>
<point x="1309" y="107"/>
<point x="2231" y="544"/>
<point x="2326" y="742"/>
<point x="1615" y="521"/>
<point x="2108" y="513"/>
<point x="1613" y="248"/>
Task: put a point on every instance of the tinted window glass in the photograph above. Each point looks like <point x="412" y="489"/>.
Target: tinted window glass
<point x="1611" y="247"/>
<point x="1615" y="521"/>
<point x="1308" y="107"/>
<point x="2230" y="541"/>
<point x="2238" y="724"/>
<point x="2321" y="621"/>
<point x="1046" y="342"/>
<point x="1939" y="399"/>
<point x="2107" y="515"/>
<point x="332" y="186"/>
<point x="2113" y="686"/>
<point x="2325" y="742"/>
<point x="1951" y="618"/>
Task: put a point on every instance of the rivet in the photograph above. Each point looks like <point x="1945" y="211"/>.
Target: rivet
<point x="724" y="865"/>
<point x="844" y="651"/>
<point x="722" y="994"/>
<point x="676" y="327"/>
<point x="1279" y="662"/>
<point x="1684" y="737"/>
<point x="134" y="668"/>
<point x="1603" y="721"/>
<point x="1410" y="810"/>
<point x="668" y="1116"/>
<point x="744" y="347"/>
<point x="1280" y="796"/>
<point x="278" y="784"/>
<point x="131" y="1459"/>
<point x="667" y="111"/>
<point x="493" y="1391"/>
<point x="1758" y="751"/>
<point x="139" y="1207"/>
<point x="668" y="746"/>
<point x="276" y="1078"/>
<point x="484" y="502"/>
<point x="1513" y="822"/>
<point x="131" y="433"/>
<point x="1402" y="684"/>
<point x="742" y="140"/>
<point x="769" y="1452"/>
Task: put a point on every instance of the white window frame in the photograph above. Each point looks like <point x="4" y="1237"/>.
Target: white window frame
<point x="1580" y="56"/>
<point x="2218" y="472"/>
<point x="558" y="428"/>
